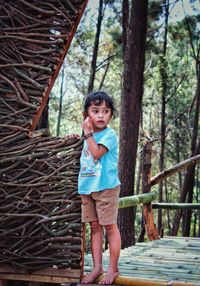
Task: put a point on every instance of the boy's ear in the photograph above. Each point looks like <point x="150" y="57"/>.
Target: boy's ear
<point x="85" y="115"/>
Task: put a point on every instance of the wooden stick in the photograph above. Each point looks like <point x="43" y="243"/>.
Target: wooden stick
<point x="174" y="169"/>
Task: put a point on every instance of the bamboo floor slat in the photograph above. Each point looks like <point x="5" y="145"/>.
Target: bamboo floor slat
<point x="168" y="261"/>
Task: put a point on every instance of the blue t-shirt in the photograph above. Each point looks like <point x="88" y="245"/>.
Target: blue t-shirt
<point x="100" y="174"/>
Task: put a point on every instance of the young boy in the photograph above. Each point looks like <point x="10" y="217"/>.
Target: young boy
<point x="99" y="185"/>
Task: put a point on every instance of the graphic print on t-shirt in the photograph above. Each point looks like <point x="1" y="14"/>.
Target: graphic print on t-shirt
<point x="90" y="167"/>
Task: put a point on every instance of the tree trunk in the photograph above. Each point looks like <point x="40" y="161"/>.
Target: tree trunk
<point x="177" y="155"/>
<point x="163" y="74"/>
<point x="199" y="224"/>
<point x="188" y="183"/>
<point x="190" y="187"/>
<point x="131" y="100"/>
<point x="125" y="21"/>
<point x="104" y="74"/>
<point x="96" y="48"/>
<point x="168" y="212"/>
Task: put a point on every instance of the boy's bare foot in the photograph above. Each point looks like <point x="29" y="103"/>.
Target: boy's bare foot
<point x="109" y="277"/>
<point x="91" y="277"/>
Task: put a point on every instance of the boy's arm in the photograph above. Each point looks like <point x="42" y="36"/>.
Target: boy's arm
<point x="97" y="150"/>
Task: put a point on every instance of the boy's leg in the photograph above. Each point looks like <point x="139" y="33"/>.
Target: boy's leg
<point x="96" y="248"/>
<point x="107" y="209"/>
<point x="114" y="240"/>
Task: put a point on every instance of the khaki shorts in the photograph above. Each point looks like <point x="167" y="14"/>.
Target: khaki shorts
<point x="101" y="206"/>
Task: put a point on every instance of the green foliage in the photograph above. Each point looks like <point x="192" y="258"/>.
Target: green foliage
<point x="181" y="82"/>
<point x="180" y="70"/>
<point x="77" y="68"/>
<point x="155" y="9"/>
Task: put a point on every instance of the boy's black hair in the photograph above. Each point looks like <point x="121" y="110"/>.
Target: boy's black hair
<point x="97" y="98"/>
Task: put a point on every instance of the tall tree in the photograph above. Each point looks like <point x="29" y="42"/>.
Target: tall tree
<point x="96" y="47"/>
<point x="125" y="21"/>
<point x="163" y="74"/>
<point x="188" y="183"/>
<point x="132" y="93"/>
<point x="195" y="143"/>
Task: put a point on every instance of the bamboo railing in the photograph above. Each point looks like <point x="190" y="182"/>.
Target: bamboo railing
<point x="146" y="199"/>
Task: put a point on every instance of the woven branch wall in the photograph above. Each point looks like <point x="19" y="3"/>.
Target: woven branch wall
<point x="39" y="206"/>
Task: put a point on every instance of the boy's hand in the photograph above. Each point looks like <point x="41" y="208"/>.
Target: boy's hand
<point x="87" y="125"/>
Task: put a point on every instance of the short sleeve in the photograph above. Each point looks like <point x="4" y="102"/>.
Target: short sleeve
<point x="109" y="140"/>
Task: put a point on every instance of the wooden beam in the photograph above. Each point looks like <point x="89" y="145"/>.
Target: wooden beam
<point x="175" y="169"/>
<point x="173" y="206"/>
<point x="48" y="271"/>
<point x="47" y="275"/>
<point x="146" y="167"/>
<point x="83" y="249"/>
<point x="38" y="278"/>
<point x="150" y="227"/>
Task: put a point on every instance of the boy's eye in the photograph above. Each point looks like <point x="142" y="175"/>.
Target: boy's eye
<point x="106" y="111"/>
<point x="95" y="111"/>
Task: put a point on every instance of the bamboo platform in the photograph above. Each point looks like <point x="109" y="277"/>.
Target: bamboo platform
<point x="168" y="261"/>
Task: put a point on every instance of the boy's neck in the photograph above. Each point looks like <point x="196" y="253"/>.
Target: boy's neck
<point x="99" y="130"/>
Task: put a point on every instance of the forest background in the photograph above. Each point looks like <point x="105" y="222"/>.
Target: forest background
<point x="166" y="104"/>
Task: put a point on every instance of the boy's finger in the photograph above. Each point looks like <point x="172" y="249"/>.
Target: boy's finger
<point x="90" y="120"/>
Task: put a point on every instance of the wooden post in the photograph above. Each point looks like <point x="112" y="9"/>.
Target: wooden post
<point x="150" y="227"/>
<point x="3" y="283"/>
<point x="83" y="249"/>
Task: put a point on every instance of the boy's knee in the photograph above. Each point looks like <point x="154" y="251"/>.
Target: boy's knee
<point x="95" y="226"/>
<point x="110" y="228"/>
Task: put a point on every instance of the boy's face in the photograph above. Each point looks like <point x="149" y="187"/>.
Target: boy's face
<point x="100" y="115"/>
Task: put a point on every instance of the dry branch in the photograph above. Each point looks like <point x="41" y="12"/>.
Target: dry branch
<point x="174" y="169"/>
<point x="39" y="206"/>
<point x="33" y="37"/>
